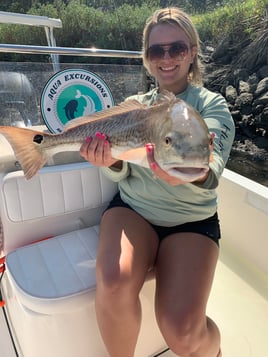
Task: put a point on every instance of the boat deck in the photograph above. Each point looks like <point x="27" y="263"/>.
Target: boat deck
<point x="238" y="303"/>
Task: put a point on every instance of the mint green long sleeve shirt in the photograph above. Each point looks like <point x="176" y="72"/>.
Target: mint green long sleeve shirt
<point x="166" y="205"/>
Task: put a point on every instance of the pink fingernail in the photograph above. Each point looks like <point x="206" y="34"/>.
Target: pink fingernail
<point x="98" y="135"/>
<point x="106" y="143"/>
<point x="149" y="148"/>
<point x="88" y="139"/>
<point x="153" y="165"/>
<point x="103" y="136"/>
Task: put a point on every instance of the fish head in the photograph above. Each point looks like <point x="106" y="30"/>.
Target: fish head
<point x="183" y="146"/>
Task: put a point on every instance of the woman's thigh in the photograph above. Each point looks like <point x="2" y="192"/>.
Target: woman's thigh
<point x="127" y="249"/>
<point x="185" y="269"/>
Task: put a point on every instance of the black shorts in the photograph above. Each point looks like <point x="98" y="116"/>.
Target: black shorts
<point x="209" y="227"/>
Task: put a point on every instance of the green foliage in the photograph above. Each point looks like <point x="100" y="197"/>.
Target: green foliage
<point x="234" y="19"/>
<point x="118" y="24"/>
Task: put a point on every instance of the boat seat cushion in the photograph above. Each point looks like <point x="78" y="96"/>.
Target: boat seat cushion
<point x="57" y="274"/>
<point x="59" y="199"/>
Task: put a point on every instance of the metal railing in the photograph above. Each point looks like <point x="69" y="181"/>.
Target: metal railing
<point x="68" y="51"/>
<point x="35" y="20"/>
<point x="52" y="49"/>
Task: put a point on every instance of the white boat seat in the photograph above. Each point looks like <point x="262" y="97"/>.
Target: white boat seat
<point x="59" y="199"/>
<point x="49" y="285"/>
<point x="56" y="275"/>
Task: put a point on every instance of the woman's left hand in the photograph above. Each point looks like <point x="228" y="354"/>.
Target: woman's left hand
<point x="163" y="175"/>
<point x="157" y="171"/>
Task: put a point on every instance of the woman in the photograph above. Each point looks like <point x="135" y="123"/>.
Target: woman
<point x="158" y="220"/>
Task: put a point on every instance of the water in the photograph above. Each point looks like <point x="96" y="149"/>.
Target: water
<point x="246" y="165"/>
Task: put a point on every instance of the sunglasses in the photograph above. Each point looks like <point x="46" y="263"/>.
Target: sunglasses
<point x="176" y="50"/>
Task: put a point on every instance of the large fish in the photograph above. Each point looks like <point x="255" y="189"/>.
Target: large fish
<point x="183" y="144"/>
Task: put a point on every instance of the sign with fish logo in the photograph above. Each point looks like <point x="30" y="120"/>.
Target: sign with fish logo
<point x="73" y="93"/>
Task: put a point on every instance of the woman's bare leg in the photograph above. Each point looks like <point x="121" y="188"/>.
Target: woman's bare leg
<point x="127" y="249"/>
<point x="184" y="274"/>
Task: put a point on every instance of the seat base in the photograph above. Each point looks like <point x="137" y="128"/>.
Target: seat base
<point x="49" y="288"/>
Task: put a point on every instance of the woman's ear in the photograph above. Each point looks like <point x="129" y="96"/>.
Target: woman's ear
<point x="193" y="53"/>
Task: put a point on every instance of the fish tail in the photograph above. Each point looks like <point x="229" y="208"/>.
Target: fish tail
<point x="28" y="152"/>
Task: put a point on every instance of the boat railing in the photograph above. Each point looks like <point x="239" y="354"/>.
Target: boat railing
<point x="34" y="20"/>
<point x="52" y="49"/>
<point x="69" y="51"/>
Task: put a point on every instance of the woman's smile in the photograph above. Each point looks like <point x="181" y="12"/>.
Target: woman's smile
<point x="168" y="69"/>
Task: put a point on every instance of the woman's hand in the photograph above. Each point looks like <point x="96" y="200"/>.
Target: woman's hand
<point x="156" y="169"/>
<point x="97" y="151"/>
<point x="163" y="175"/>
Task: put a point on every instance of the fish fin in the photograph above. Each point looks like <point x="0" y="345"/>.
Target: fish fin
<point x="136" y="156"/>
<point x="29" y="154"/>
<point x="124" y="107"/>
<point x="166" y="96"/>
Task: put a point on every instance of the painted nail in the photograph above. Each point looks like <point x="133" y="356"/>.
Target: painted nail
<point x="98" y="135"/>
<point x="88" y="139"/>
<point x="149" y="148"/>
<point x="153" y="165"/>
<point x="103" y="136"/>
<point x="213" y="135"/>
<point x="106" y="143"/>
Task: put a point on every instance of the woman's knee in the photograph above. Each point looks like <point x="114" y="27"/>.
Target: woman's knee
<point x="109" y="278"/>
<point x="182" y="330"/>
<point x="116" y="285"/>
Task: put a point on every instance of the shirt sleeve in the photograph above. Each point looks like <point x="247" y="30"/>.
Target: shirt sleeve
<point x="116" y="175"/>
<point x="220" y="123"/>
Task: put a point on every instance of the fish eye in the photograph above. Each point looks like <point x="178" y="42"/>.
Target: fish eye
<point x="168" y="140"/>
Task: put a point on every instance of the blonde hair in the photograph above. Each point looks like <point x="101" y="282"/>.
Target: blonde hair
<point x="177" y="17"/>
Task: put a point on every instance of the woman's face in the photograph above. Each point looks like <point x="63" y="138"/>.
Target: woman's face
<point x="171" y="68"/>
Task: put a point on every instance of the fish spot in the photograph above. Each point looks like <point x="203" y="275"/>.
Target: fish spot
<point x="38" y="138"/>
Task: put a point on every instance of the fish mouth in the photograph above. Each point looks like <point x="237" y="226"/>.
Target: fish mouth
<point x="187" y="174"/>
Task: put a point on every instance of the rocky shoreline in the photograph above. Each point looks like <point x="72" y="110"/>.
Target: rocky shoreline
<point x="241" y="76"/>
<point x="247" y="97"/>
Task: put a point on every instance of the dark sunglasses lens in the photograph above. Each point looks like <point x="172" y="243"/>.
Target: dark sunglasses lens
<point x="155" y="53"/>
<point x="178" y="50"/>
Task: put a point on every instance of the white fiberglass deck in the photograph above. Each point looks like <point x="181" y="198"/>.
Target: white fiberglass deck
<point x="238" y="303"/>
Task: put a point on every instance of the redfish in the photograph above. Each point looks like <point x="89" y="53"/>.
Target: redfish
<point x="183" y="144"/>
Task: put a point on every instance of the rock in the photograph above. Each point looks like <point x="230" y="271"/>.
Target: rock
<point x="253" y="80"/>
<point x="243" y="87"/>
<point x="243" y="100"/>
<point x="263" y="72"/>
<point x="241" y="74"/>
<point x="258" y="109"/>
<point x="236" y="114"/>
<point x="261" y="132"/>
<point x="261" y="100"/>
<point x="262" y="87"/>
<point x="264" y="118"/>
<point x="243" y="103"/>
<point x="230" y="94"/>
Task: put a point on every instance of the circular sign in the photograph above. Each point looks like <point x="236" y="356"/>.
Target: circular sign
<point x="73" y="93"/>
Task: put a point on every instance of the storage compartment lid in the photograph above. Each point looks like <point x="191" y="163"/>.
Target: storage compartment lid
<point x="57" y="274"/>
